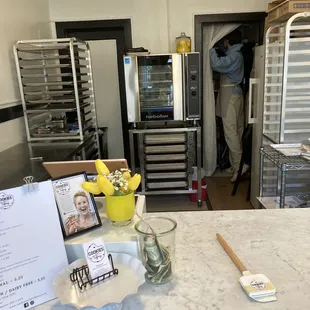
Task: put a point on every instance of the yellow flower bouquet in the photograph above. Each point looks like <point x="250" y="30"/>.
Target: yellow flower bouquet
<point x="118" y="187"/>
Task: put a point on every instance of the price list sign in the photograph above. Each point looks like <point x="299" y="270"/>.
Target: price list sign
<point x="32" y="250"/>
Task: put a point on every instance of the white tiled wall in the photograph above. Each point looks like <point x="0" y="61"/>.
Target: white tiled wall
<point x="19" y="20"/>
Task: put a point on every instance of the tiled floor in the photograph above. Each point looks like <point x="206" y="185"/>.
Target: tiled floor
<point x="219" y="193"/>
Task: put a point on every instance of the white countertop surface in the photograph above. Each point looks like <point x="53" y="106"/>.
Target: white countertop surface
<point x="273" y="242"/>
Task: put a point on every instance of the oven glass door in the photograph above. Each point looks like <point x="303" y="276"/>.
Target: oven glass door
<point x="156" y="93"/>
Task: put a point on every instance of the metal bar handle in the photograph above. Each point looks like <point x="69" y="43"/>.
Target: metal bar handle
<point x="251" y="120"/>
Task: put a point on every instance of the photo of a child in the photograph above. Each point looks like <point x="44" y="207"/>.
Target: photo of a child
<point x="77" y="208"/>
<point x="85" y="217"/>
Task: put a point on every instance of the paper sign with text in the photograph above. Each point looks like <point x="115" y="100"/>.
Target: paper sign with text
<point x="97" y="257"/>
<point x="32" y="250"/>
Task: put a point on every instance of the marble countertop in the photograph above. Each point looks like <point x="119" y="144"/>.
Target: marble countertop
<point x="272" y="242"/>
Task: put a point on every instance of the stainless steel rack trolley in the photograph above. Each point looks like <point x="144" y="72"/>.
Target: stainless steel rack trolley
<point x="167" y="156"/>
<point x="55" y="80"/>
<point x="293" y="180"/>
<point x="287" y="88"/>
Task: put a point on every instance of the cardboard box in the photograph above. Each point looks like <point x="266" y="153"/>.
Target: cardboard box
<point x="284" y="10"/>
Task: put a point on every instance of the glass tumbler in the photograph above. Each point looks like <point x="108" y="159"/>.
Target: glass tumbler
<point x="157" y="248"/>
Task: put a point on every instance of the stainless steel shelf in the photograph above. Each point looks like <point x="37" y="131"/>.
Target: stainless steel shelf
<point x="40" y="84"/>
<point x="54" y="92"/>
<point x="165" y="139"/>
<point x="55" y="108"/>
<point x="165" y="149"/>
<point x="166" y="167"/>
<point x="282" y="178"/>
<point x="168" y="157"/>
<point x="291" y="162"/>
<point x="64" y="99"/>
<point x="287" y="88"/>
<point x="164" y="185"/>
<point x="154" y="82"/>
<point x="51" y="57"/>
<point x="166" y="175"/>
<point x="44" y="66"/>
<point x="55" y="77"/>
<point x="49" y="75"/>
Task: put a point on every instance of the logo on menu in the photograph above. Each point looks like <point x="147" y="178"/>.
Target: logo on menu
<point x="6" y="201"/>
<point x="96" y="253"/>
<point x="62" y="187"/>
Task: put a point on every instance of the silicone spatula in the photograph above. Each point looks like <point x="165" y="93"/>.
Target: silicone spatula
<point x="257" y="286"/>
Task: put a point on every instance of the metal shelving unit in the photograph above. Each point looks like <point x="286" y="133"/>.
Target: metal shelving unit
<point x="55" y="78"/>
<point x="292" y="177"/>
<point x="167" y="156"/>
<point x="287" y="88"/>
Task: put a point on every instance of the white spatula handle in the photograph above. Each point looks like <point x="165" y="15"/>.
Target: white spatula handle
<point x="231" y="253"/>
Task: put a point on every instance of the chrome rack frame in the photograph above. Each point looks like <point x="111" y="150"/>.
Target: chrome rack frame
<point x="55" y="77"/>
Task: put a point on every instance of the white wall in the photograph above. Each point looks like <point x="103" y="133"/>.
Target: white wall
<point x="149" y="18"/>
<point x="182" y="12"/>
<point x="155" y="24"/>
<point x="19" y="20"/>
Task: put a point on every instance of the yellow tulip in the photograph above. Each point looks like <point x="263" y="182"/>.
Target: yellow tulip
<point x="101" y="167"/>
<point x="105" y="185"/>
<point x="127" y="175"/>
<point x="134" y="182"/>
<point x="91" y="187"/>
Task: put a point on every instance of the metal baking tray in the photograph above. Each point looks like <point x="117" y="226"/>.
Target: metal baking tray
<point x="51" y="57"/>
<point x="165" y="139"/>
<point x="49" y="48"/>
<point x="38" y="84"/>
<point x="166" y="185"/>
<point x="54" y="107"/>
<point x="165" y="149"/>
<point x="166" y="167"/>
<point x="54" y="92"/>
<point x="43" y="66"/>
<point x="166" y="157"/>
<point x="48" y="75"/>
<point x="60" y="134"/>
<point x="56" y="134"/>
<point x="65" y="99"/>
<point x="166" y="175"/>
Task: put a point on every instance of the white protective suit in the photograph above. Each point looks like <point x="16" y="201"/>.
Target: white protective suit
<point x="230" y="99"/>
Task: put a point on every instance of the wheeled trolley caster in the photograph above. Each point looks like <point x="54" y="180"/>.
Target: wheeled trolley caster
<point x="199" y="203"/>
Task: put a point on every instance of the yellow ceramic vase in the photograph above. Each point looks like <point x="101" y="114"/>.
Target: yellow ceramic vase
<point x="120" y="209"/>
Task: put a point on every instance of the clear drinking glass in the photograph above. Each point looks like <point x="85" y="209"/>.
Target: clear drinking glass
<point x="157" y="248"/>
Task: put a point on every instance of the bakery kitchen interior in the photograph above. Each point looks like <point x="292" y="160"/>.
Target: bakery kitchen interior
<point x="207" y="100"/>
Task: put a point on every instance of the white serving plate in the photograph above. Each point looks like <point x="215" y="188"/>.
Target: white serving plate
<point x="108" y="294"/>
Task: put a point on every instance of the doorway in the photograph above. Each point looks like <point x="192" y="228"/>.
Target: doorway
<point x="251" y="26"/>
<point x="108" y="41"/>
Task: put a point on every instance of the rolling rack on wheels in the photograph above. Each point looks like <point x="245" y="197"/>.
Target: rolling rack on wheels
<point x="57" y="92"/>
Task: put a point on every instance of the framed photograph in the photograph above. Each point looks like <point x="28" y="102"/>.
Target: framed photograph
<point x="77" y="208"/>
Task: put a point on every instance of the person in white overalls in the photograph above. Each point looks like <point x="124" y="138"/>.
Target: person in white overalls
<point x="230" y="98"/>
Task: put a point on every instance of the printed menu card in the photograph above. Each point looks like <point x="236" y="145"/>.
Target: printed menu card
<point x="32" y="250"/>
